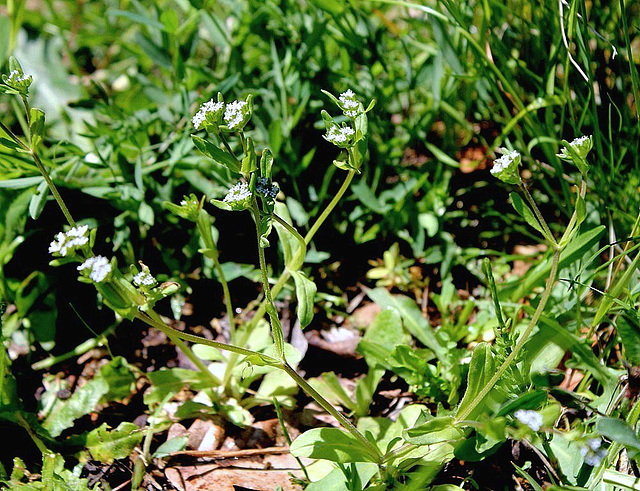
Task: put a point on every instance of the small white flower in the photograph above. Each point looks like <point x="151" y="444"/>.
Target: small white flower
<point x="592" y="452"/>
<point x="98" y="266"/>
<point x="144" y="278"/>
<point x="69" y="241"/>
<point x="239" y="192"/>
<point x="579" y="141"/>
<point x="349" y="104"/>
<point x="339" y="135"/>
<point x="503" y="162"/>
<point x="234" y="114"/>
<point x="210" y="106"/>
<point x="15" y="77"/>
<point x="530" y="418"/>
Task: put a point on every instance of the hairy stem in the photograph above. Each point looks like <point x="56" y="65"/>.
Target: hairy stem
<point x="537" y="213"/>
<point x="327" y="406"/>
<point x="519" y="345"/>
<point x="276" y="327"/>
<point x="284" y="277"/>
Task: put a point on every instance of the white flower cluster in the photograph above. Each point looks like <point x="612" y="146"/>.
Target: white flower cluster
<point x="579" y="141"/>
<point x="98" y="266"/>
<point x="349" y="104"/>
<point x="592" y="452"/>
<point x="16" y="78"/>
<point x="234" y="114"/>
<point x="339" y="135"/>
<point x="239" y="192"/>
<point x="504" y="162"/>
<point x="69" y="241"/>
<point x="208" y="107"/>
<point x="530" y="418"/>
<point x="144" y="278"/>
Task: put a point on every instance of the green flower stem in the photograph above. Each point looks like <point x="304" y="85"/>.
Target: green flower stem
<point x="276" y="327"/>
<point x="174" y="336"/>
<point x="327" y="406"/>
<point x="323" y="216"/>
<point x="226" y="145"/>
<point x="158" y="324"/>
<point x="52" y="188"/>
<point x="538" y="215"/>
<point x="204" y="227"/>
<point x="519" y="345"/>
<point x="284" y="277"/>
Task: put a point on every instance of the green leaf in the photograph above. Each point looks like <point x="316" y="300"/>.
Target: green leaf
<point x="616" y="290"/>
<point x="250" y="161"/>
<point x="525" y="212"/>
<point x="481" y="369"/>
<point x="386" y="332"/>
<point x="433" y="431"/>
<point x="305" y="293"/>
<point x="38" y="200"/>
<point x="170" y="21"/>
<point x="620" y="432"/>
<point x="629" y="331"/>
<point x="330" y="444"/>
<point x="113" y="382"/>
<point x="175" y="444"/>
<point x="37" y="126"/>
<point x="412" y="317"/>
<point x="266" y="163"/>
<point x="365" y="389"/>
<point x="172" y="380"/>
<point x="216" y="153"/>
<point x="337" y="481"/>
<point x="106" y="445"/>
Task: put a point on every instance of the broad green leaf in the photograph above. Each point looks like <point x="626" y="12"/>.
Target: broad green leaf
<point x="621" y="481"/>
<point x="330" y="444"/>
<point x="528" y="400"/>
<point x="175" y="444"/>
<point x="337" y="481"/>
<point x="414" y="321"/>
<point x="106" y="445"/>
<point x="525" y="212"/>
<point x="305" y="294"/>
<point x="37" y="126"/>
<point x="365" y="389"/>
<point x="112" y="382"/>
<point x="386" y="332"/>
<point x="329" y="385"/>
<point x="216" y="153"/>
<point x="620" y="432"/>
<point x="481" y="369"/>
<point x="433" y="431"/>
<point x="38" y="200"/>
<point x="172" y="380"/>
